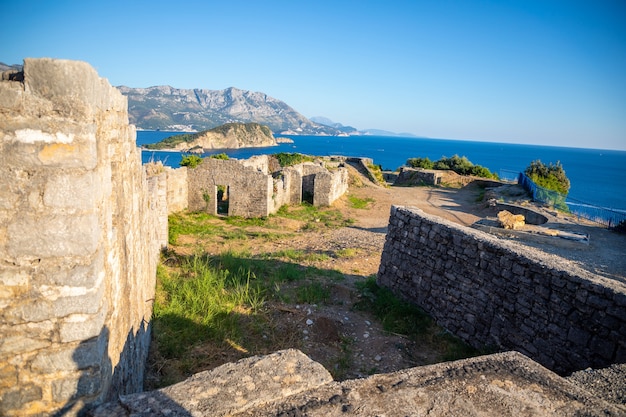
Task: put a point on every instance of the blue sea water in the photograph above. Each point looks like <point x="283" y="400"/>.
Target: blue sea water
<point x="597" y="176"/>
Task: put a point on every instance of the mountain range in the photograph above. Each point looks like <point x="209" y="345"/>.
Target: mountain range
<point x="188" y="110"/>
<point x="191" y="110"/>
<point x="168" y="108"/>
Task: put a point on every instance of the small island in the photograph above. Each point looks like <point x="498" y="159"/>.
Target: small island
<point x="227" y="136"/>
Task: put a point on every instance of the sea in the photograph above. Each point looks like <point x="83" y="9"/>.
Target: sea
<point x="597" y="176"/>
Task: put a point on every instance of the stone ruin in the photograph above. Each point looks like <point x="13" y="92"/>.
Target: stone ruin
<point x="81" y="226"/>
<point x="249" y="188"/>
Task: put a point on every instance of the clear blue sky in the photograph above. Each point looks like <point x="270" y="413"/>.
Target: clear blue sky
<point x="537" y="72"/>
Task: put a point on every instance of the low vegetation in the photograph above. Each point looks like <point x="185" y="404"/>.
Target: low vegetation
<point x="190" y="161"/>
<point x="286" y="159"/>
<point x="459" y="164"/>
<point x="228" y="288"/>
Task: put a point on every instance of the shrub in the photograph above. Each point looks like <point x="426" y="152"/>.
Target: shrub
<point x="424" y="163"/>
<point x="551" y="176"/>
<point x="459" y="164"/>
<point x="286" y="159"/>
<point x="221" y="156"/>
<point x="190" y="161"/>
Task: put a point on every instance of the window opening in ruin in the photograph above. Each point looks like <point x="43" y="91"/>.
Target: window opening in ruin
<point x="223" y="192"/>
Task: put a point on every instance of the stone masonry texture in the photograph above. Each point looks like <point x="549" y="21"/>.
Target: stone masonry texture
<point x="498" y="294"/>
<point x="79" y="242"/>
<point x="288" y="383"/>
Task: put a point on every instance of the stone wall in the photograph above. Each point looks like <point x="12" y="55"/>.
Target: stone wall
<point x="496" y="293"/>
<point x="249" y="189"/>
<point x="78" y="242"/>
<point x="177" y="189"/>
<point x="254" y="191"/>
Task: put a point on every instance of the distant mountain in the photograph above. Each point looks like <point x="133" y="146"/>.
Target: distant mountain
<point x="5" y="67"/>
<point x="327" y="122"/>
<point x="168" y="108"/>
<point x="378" y="132"/>
<point x="353" y="131"/>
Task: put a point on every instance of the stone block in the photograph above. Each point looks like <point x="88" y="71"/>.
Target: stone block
<point x="81" y="384"/>
<point x="70" y="357"/>
<point x="81" y="326"/>
<point x="57" y="235"/>
<point x="17" y="398"/>
<point x="67" y="191"/>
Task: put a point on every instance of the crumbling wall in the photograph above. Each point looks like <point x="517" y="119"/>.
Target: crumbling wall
<point x="253" y="191"/>
<point x="323" y="185"/>
<point x="177" y="189"/>
<point x="250" y="190"/>
<point x="78" y="242"/>
<point x="495" y="293"/>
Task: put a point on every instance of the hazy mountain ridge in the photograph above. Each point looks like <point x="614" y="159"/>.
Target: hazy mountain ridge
<point x="169" y="108"/>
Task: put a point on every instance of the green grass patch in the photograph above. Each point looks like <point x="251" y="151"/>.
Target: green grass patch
<point x="346" y="253"/>
<point x="401" y="317"/>
<point x="314" y="217"/>
<point x="202" y="302"/>
<point x="301" y="256"/>
<point x="197" y="224"/>
<point x="359" y="203"/>
<point x="312" y="293"/>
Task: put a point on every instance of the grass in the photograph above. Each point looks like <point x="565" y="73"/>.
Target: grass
<point x="212" y="309"/>
<point x="200" y="303"/>
<point x="312" y="293"/>
<point x="400" y="317"/>
<point x="359" y="203"/>
<point x="313" y="217"/>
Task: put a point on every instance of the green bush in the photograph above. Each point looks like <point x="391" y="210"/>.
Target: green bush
<point x="286" y="159"/>
<point x="424" y="163"/>
<point x="190" y="161"/>
<point x="459" y="164"/>
<point x="551" y="176"/>
<point x="221" y="156"/>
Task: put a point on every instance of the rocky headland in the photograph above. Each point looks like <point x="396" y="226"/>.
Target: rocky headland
<point x="228" y="136"/>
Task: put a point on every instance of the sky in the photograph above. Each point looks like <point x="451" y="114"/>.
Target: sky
<point x="542" y="72"/>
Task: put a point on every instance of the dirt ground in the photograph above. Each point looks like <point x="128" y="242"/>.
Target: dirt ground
<point x="352" y="343"/>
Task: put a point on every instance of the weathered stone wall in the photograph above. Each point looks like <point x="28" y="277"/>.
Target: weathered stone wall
<point x="418" y="176"/>
<point x="177" y="189"/>
<point x="253" y="191"/>
<point x="78" y="242"/>
<point x="325" y="185"/>
<point x="497" y="293"/>
<point x="249" y="194"/>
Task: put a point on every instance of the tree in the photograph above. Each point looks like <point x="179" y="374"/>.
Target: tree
<point x="459" y="164"/>
<point x="424" y="163"/>
<point x="190" y="161"/>
<point x="551" y="176"/>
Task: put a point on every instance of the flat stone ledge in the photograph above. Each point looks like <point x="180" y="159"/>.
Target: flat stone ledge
<point x="288" y="383"/>
<point x="228" y="389"/>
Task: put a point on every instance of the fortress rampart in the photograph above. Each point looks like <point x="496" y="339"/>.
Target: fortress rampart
<point x="81" y="225"/>
<point x="495" y="293"/>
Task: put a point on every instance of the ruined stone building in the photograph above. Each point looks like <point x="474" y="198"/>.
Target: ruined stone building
<point x="251" y="190"/>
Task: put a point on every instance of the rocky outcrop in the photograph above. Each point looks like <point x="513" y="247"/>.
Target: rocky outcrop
<point x="228" y="136"/>
<point x="168" y="108"/>
<point x="288" y="383"/>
